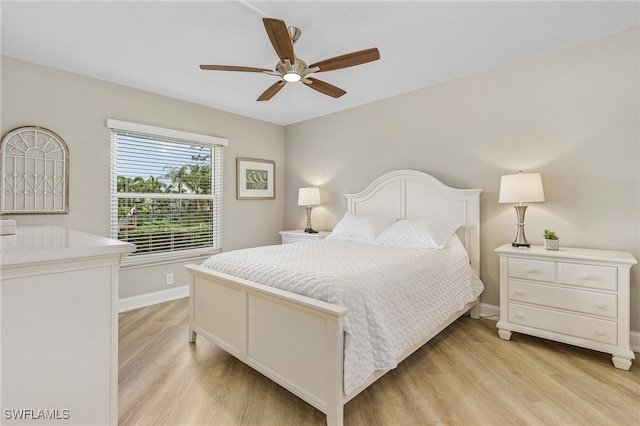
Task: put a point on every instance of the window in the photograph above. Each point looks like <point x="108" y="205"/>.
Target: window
<point x="166" y="190"/>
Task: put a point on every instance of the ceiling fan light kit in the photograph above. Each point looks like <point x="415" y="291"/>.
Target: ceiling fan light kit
<point x="291" y="69"/>
<point x="291" y="77"/>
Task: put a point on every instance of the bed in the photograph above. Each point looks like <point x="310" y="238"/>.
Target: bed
<point x="307" y="344"/>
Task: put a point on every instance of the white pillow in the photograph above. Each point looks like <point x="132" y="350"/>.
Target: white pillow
<point x="425" y="233"/>
<point x="355" y="227"/>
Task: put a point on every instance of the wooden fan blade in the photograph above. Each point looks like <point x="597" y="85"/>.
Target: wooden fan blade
<point x="272" y="90"/>
<point x="324" y="87"/>
<point x="348" y="60"/>
<point x="280" y="39"/>
<point x="232" y="68"/>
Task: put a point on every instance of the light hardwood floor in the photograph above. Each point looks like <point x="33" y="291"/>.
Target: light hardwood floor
<point x="466" y="375"/>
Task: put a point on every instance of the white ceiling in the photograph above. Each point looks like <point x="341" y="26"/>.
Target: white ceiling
<point x="158" y="46"/>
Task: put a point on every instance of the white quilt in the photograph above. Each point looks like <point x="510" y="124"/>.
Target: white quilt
<point x="395" y="296"/>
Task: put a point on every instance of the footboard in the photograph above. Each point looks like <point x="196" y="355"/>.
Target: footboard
<point x="294" y="340"/>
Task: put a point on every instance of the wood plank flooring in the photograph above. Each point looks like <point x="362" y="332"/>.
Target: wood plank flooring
<point x="466" y="375"/>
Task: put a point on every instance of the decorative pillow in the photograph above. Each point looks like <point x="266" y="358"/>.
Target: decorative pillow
<point x="425" y="233"/>
<point x="355" y="227"/>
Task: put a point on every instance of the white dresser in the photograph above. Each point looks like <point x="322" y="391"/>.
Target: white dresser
<point x="296" y="236"/>
<point x="59" y="296"/>
<point x="575" y="296"/>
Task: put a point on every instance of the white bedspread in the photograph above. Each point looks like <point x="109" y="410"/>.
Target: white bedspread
<point x="395" y="296"/>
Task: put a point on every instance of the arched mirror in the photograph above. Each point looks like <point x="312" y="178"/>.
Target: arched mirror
<point x="34" y="165"/>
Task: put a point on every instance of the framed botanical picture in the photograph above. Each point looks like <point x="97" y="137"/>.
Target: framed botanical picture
<point x="256" y="179"/>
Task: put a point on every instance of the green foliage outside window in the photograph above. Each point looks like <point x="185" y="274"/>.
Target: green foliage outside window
<point x="156" y="224"/>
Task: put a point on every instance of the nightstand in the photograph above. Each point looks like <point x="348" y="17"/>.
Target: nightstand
<point x="571" y="295"/>
<point x="299" y="235"/>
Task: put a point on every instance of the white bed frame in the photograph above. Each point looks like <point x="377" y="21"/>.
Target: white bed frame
<point x="297" y="341"/>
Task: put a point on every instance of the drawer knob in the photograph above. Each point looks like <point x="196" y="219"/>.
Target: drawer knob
<point x="586" y="277"/>
<point x="530" y="269"/>
<point x="600" y="305"/>
<point x="600" y="332"/>
<point x="519" y="292"/>
<point x="519" y="315"/>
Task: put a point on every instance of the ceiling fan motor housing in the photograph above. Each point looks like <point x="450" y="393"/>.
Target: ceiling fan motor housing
<point x="299" y="67"/>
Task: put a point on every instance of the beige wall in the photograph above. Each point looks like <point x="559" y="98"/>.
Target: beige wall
<point x="77" y="107"/>
<point x="571" y="115"/>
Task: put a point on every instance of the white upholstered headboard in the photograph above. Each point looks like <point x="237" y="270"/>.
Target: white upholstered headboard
<point x="410" y="194"/>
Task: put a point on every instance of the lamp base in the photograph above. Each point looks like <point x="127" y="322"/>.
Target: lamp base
<point x="309" y="229"/>
<point x="521" y="239"/>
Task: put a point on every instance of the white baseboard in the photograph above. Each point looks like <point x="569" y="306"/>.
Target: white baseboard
<point x="144" y="300"/>
<point x="492" y="312"/>
<point x="635" y="341"/>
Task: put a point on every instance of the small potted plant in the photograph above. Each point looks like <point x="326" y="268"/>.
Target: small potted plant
<point x="551" y="240"/>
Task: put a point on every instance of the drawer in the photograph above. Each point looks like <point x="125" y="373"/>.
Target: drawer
<point x="587" y="302"/>
<point x="539" y="270"/>
<point x="602" y="277"/>
<point x="288" y="240"/>
<point x="598" y="330"/>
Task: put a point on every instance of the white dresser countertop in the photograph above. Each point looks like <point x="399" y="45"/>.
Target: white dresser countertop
<point x="42" y="243"/>
<point x="569" y="252"/>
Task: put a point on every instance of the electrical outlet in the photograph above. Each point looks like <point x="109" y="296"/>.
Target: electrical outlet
<point x="169" y="279"/>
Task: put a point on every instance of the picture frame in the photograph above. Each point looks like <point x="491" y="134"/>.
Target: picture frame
<point x="255" y="179"/>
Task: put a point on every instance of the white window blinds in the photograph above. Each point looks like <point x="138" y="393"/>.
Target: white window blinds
<point x="166" y="190"/>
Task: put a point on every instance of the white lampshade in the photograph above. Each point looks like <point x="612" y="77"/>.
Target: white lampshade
<point x="309" y="196"/>
<point x="521" y="188"/>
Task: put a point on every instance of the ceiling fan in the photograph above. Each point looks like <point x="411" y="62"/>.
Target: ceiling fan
<point x="292" y="69"/>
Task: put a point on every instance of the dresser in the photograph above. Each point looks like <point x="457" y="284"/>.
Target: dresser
<point x="299" y="235"/>
<point x="59" y="297"/>
<point x="576" y="296"/>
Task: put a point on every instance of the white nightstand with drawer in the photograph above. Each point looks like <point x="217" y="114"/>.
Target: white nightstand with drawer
<point x="575" y="296"/>
<point x="299" y="235"/>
